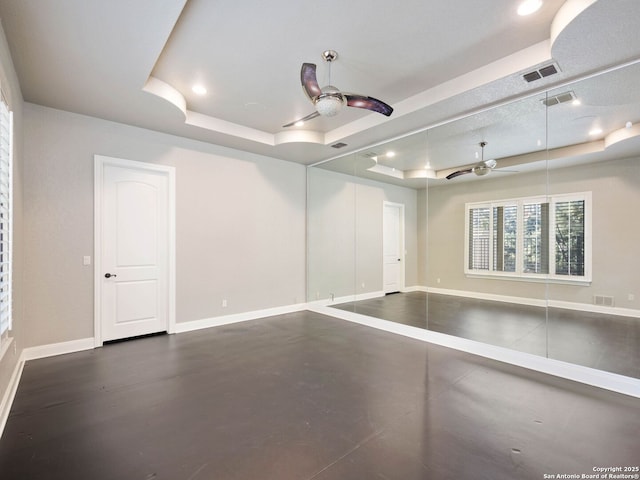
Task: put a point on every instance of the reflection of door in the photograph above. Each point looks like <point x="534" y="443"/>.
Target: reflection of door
<point x="393" y="247"/>
<point x="133" y="248"/>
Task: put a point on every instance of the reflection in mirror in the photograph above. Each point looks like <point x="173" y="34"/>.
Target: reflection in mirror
<point x="331" y="232"/>
<point x="512" y="227"/>
<point x="484" y="274"/>
<point x="593" y="292"/>
<point x="387" y="202"/>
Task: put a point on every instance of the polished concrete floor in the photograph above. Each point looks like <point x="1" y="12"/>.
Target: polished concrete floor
<point x="303" y="396"/>
<point x="605" y="342"/>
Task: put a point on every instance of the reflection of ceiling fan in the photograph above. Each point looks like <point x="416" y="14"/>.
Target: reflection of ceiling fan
<point x="484" y="167"/>
<point x="329" y="100"/>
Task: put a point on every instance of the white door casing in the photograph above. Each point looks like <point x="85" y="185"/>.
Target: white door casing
<point x="393" y="247"/>
<point x="134" y="249"/>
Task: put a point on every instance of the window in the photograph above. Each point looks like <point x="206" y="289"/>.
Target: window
<point x="480" y="233"/>
<point x="531" y="238"/>
<point x="570" y="238"/>
<point x="505" y="221"/>
<point x="6" y="135"/>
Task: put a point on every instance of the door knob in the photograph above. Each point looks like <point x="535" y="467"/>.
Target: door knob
<point x="109" y="275"/>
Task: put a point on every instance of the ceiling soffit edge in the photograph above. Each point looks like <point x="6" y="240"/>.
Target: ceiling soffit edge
<point x="494" y="71"/>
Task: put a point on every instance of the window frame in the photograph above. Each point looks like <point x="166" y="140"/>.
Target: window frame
<point x="519" y="274"/>
<point x="6" y="224"/>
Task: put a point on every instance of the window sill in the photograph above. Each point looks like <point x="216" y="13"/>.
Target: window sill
<point x="530" y="279"/>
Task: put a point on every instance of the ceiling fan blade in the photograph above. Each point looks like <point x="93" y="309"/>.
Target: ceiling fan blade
<point x="309" y="80"/>
<point x="308" y="117"/>
<point x="458" y="173"/>
<point x="369" y="103"/>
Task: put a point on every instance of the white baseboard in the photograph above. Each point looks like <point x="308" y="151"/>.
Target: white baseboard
<point x="414" y="288"/>
<point x="182" y="327"/>
<point x="535" y="302"/>
<point x="370" y="295"/>
<point x="587" y="307"/>
<point x="43" y="351"/>
<point x="10" y="394"/>
<point x="34" y="353"/>
<point x="345" y="299"/>
<point x="569" y="371"/>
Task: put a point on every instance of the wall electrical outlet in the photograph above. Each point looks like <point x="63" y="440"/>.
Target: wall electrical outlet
<point x="224" y="303"/>
<point x="631" y="297"/>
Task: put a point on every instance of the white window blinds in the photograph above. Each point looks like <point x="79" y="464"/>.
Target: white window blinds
<point x="6" y="135"/>
<point x="570" y="237"/>
<point x="479" y="235"/>
<point x="530" y="237"/>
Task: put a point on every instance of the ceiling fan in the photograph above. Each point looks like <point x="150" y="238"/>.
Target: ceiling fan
<point x="484" y="167"/>
<point x="329" y="100"/>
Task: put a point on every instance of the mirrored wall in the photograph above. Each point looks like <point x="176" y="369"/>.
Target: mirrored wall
<point x="514" y="226"/>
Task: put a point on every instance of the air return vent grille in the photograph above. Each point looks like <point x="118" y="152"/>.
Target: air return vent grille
<point x="603" y="300"/>
<point x="542" y="72"/>
<point x="560" y="98"/>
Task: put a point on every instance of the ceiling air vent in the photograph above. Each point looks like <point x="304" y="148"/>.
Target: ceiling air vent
<point x="339" y="145"/>
<point x="560" y="98"/>
<point x="548" y="70"/>
<point x="542" y="72"/>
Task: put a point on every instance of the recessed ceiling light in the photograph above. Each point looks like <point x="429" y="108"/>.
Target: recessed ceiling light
<point x="529" y="6"/>
<point x="576" y="102"/>
<point x="595" y="131"/>
<point x="390" y="154"/>
<point x="299" y="123"/>
<point x="199" y="89"/>
<point x="628" y="124"/>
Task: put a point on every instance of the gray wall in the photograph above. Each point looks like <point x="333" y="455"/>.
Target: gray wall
<point x="615" y="187"/>
<point x="345" y="233"/>
<point x="616" y="229"/>
<point x="240" y="226"/>
<point x="11" y="88"/>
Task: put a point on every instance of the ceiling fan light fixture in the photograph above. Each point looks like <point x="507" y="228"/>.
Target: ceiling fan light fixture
<point x="329" y="103"/>
<point x="481" y="170"/>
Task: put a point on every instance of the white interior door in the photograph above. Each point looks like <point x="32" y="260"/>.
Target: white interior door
<point x="393" y="247"/>
<point x="134" y="249"/>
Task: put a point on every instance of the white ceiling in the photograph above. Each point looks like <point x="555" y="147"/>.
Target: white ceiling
<point x="135" y="62"/>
